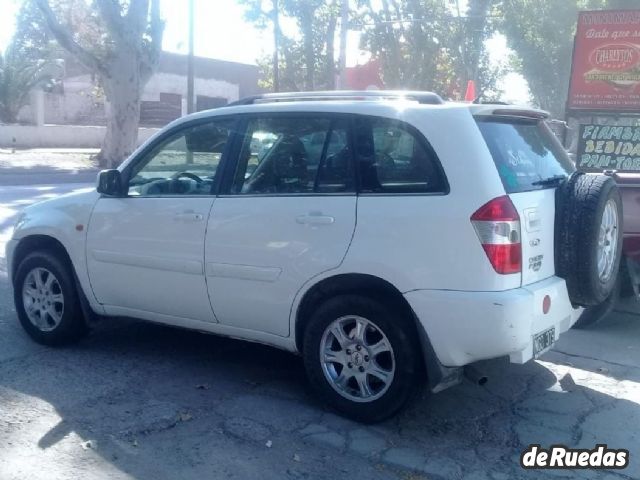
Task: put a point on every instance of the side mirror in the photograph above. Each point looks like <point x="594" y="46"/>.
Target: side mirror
<point x="109" y="183"/>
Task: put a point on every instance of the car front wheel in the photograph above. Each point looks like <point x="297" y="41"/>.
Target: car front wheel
<point x="361" y="358"/>
<point x="47" y="301"/>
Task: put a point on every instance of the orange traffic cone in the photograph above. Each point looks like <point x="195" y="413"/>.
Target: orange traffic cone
<point x="470" y="94"/>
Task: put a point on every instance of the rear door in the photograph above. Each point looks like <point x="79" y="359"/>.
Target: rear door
<point x="288" y="214"/>
<point x="529" y="160"/>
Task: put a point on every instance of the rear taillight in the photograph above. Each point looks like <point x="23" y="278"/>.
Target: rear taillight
<point x="497" y="225"/>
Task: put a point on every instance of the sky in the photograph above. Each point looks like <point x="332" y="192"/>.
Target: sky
<point x="221" y="32"/>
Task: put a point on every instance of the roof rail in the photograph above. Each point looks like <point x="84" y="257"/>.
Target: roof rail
<point x="429" y="98"/>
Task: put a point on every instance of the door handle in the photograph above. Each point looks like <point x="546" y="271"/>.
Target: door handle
<point x="315" y="218"/>
<point x="189" y="217"/>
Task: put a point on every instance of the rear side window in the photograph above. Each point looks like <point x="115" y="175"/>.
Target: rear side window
<point x="294" y="155"/>
<point x="393" y="158"/>
<point x="524" y="151"/>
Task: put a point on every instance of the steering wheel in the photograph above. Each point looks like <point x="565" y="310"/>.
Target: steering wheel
<point x="190" y="175"/>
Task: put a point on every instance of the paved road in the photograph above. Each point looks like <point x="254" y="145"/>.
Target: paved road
<point x="137" y="400"/>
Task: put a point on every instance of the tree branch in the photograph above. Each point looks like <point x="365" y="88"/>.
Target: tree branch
<point x="151" y="57"/>
<point x="156" y="27"/>
<point x="110" y="12"/>
<point x="65" y="39"/>
<point x="137" y="15"/>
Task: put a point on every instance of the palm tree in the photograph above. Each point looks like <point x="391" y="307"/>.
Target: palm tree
<point x="19" y="74"/>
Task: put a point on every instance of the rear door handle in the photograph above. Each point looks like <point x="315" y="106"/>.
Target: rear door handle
<point x="315" y="218"/>
<point x="189" y="216"/>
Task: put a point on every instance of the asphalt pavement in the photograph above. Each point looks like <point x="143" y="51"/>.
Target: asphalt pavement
<point x="139" y="400"/>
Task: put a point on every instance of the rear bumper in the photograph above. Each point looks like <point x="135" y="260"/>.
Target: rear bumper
<point x="465" y="327"/>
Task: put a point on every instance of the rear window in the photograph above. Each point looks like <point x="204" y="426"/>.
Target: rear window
<point x="524" y="151"/>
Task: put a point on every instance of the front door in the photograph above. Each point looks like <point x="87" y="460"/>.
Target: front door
<point x="145" y="251"/>
<point x="287" y="215"/>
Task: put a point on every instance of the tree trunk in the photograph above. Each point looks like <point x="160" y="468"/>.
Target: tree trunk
<point x="122" y="89"/>
<point x="330" y="72"/>
<point x="477" y="12"/>
<point x="306" y="24"/>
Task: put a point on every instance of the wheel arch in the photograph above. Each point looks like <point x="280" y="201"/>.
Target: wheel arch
<point x="378" y="288"/>
<point x="35" y="242"/>
<point x="38" y="241"/>
<point x="339" y="284"/>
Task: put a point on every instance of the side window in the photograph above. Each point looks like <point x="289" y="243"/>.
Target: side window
<point x="392" y="159"/>
<point x="184" y="164"/>
<point x="283" y="155"/>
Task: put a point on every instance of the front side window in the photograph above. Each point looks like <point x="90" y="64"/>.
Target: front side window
<point x="392" y="158"/>
<point x="294" y="155"/>
<point x="186" y="163"/>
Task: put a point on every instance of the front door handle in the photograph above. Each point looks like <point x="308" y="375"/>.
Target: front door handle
<point x="189" y="216"/>
<point x="315" y="218"/>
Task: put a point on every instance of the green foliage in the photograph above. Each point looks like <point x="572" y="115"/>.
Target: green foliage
<point x="541" y="35"/>
<point x="19" y="74"/>
<point x="306" y="61"/>
<point x="28" y="62"/>
<point x="421" y="44"/>
<point x="425" y="44"/>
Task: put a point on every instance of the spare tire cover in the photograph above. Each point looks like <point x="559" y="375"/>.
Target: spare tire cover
<point x="588" y="231"/>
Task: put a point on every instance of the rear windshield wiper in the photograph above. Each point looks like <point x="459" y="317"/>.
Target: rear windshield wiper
<point x="550" y="182"/>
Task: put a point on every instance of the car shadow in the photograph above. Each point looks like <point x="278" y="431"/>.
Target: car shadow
<point x="158" y="402"/>
<point x="611" y="347"/>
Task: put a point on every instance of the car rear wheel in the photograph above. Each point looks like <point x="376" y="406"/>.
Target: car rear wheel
<point x="360" y="358"/>
<point x="46" y="300"/>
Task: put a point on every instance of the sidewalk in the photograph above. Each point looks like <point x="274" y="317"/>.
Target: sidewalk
<point x="46" y="166"/>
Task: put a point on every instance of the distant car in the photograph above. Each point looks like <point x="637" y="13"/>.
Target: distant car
<point x="387" y="237"/>
<point x="628" y="279"/>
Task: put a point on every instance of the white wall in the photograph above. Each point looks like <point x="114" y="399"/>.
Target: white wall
<point x="78" y="105"/>
<point x="58" y="136"/>
<point x="172" y="83"/>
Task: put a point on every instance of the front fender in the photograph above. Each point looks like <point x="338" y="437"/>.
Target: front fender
<point x="65" y="219"/>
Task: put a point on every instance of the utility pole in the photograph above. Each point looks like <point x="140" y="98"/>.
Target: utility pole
<point x="276" y="46"/>
<point x="344" y="30"/>
<point x="190" y="89"/>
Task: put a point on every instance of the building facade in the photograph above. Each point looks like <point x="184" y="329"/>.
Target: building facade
<point x="78" y="99"/>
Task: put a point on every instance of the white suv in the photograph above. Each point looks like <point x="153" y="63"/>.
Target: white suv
<point x="381" y="235"/>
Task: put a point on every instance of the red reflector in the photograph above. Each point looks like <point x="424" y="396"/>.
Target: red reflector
<point x="546" y="304"/>
<point x="498" y="209"/>
<point x="504" y="258"/>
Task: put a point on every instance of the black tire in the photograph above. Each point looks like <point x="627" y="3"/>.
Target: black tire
<point x="72" y="325"/>
<point x="399" y="332"/>
<point x="596" y="313"/>
<point x="580" y="203"/>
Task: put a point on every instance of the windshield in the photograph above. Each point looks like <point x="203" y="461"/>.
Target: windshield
<point x="525" y="152"/>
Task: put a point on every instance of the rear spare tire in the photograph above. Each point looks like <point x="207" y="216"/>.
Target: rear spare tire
<point x="588" y="237"/>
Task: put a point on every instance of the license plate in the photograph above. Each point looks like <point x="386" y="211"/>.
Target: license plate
<point x="543" y="341"/>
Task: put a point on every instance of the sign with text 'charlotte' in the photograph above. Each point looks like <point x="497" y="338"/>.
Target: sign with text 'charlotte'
<point x="606" y="61"/>
<point x="605" y="147"/>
